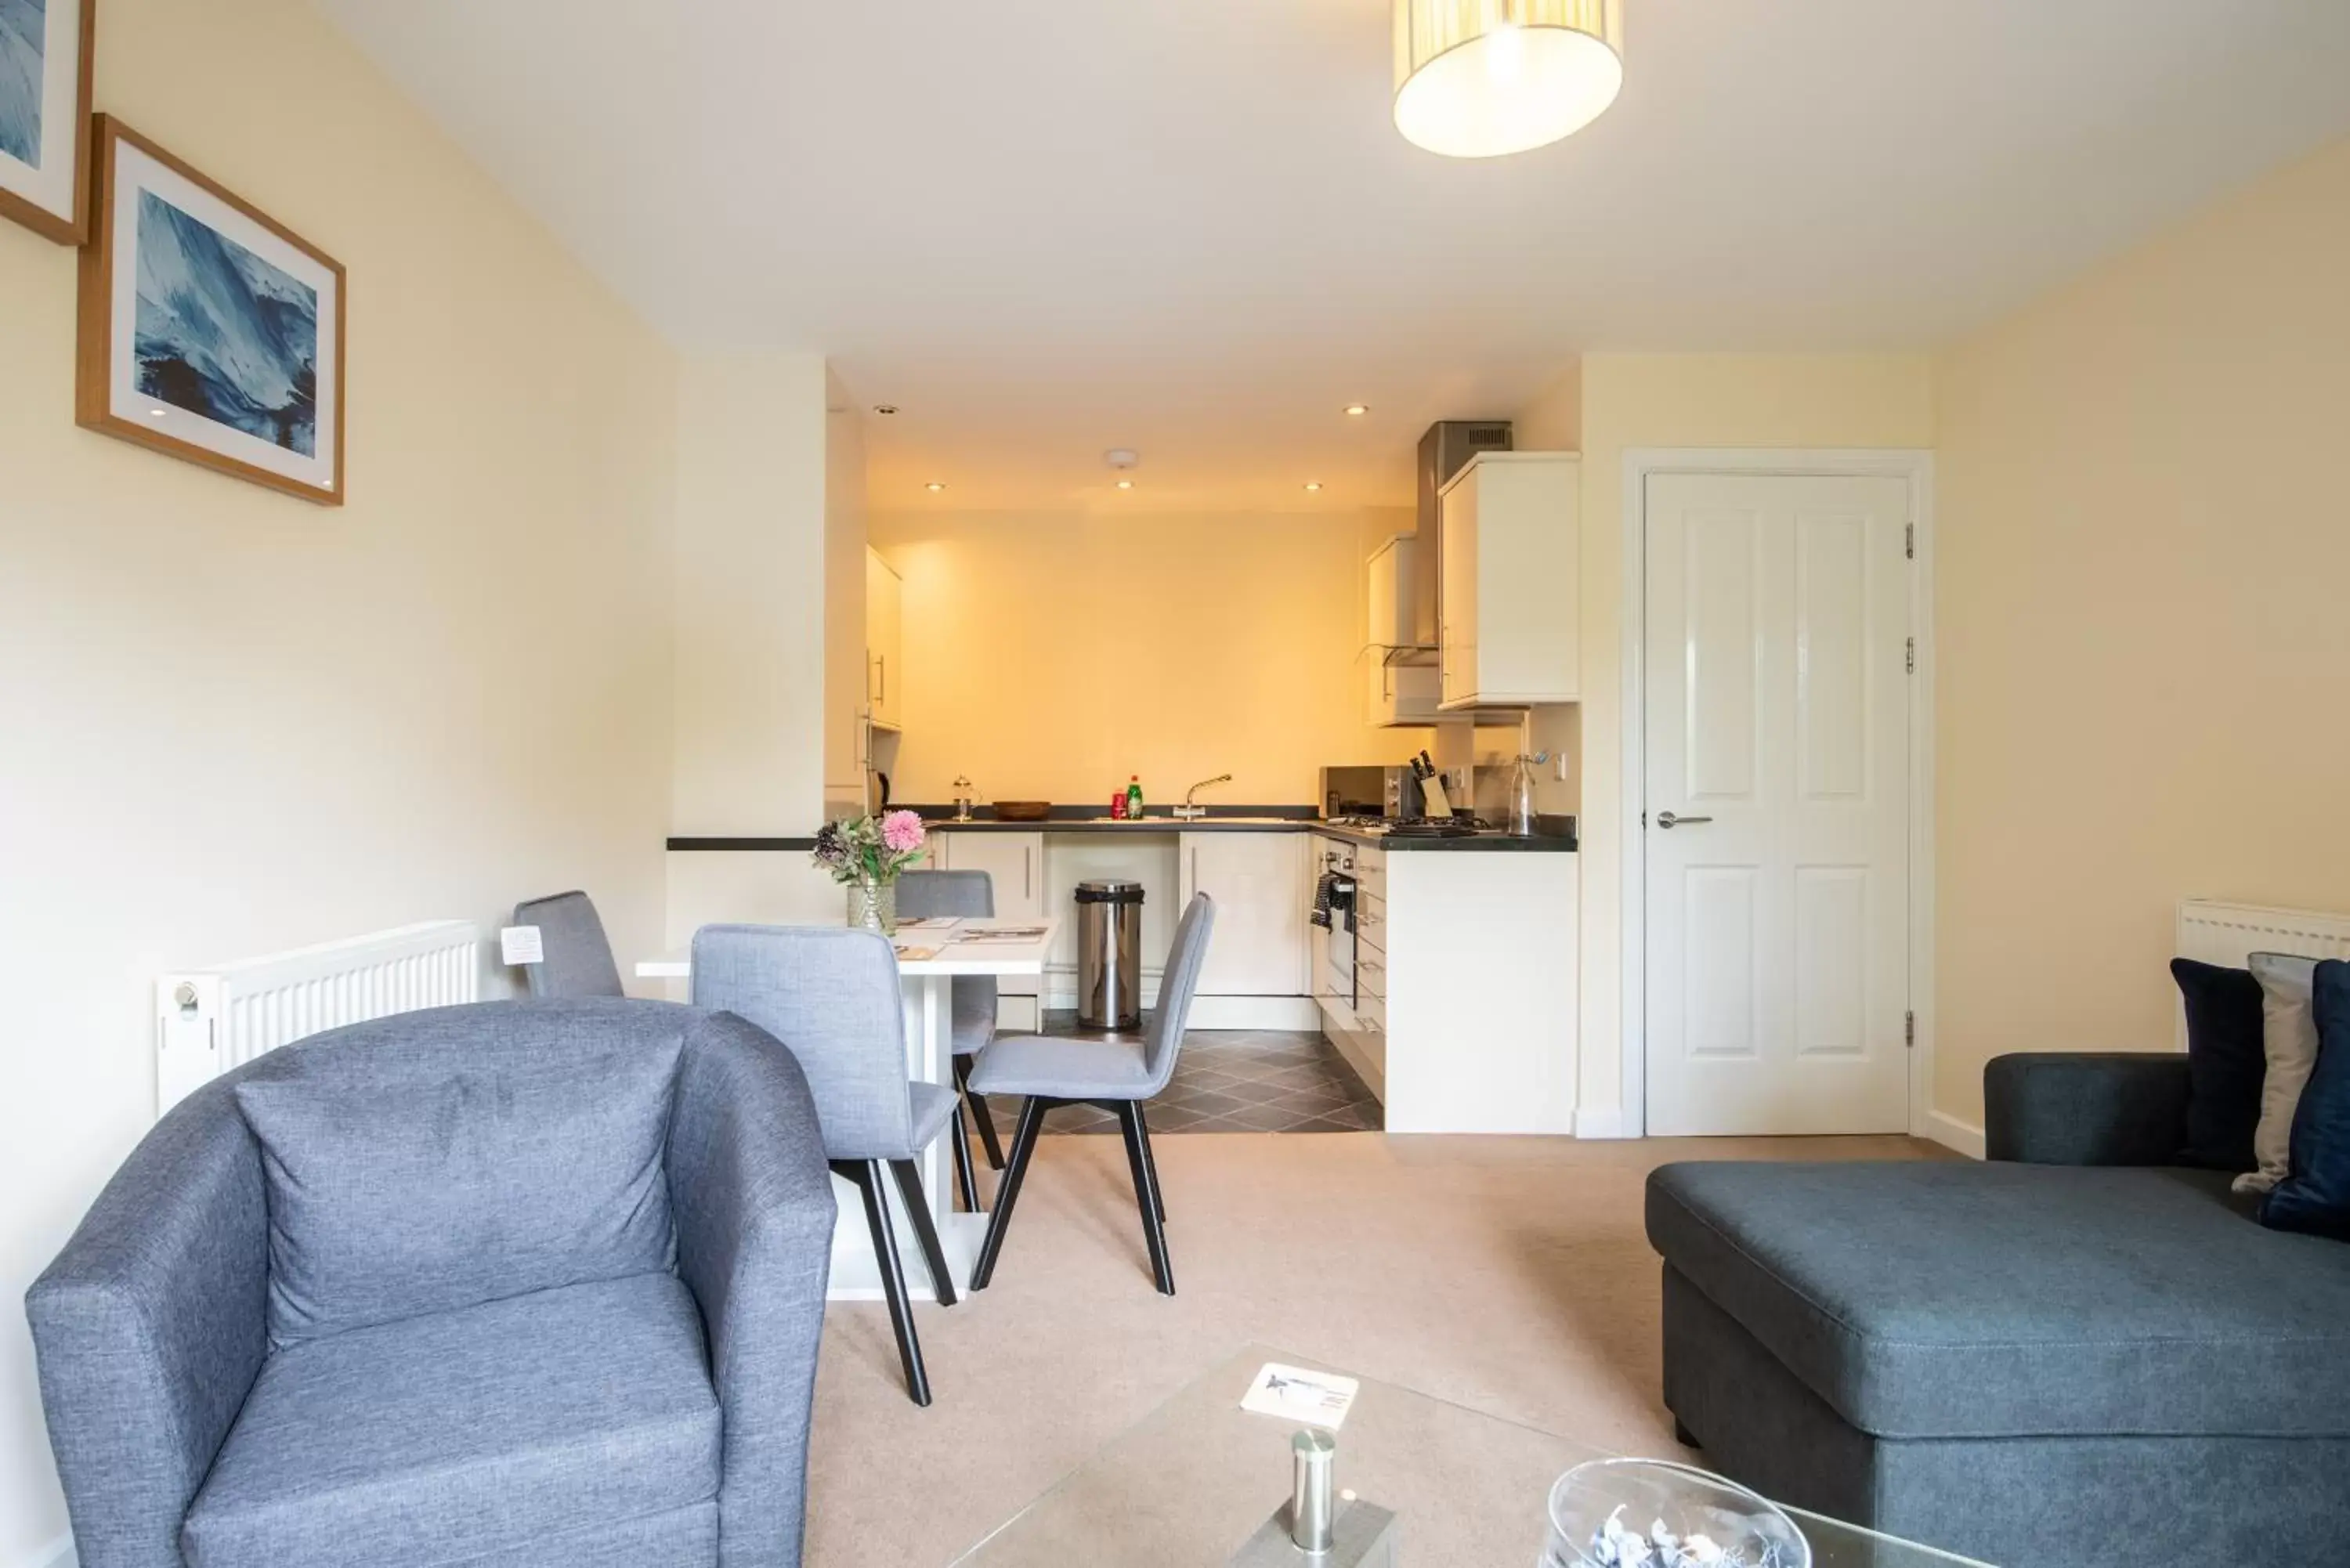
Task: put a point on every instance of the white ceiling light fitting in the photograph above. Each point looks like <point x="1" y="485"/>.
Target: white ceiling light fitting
<point x="1480" y="79"/>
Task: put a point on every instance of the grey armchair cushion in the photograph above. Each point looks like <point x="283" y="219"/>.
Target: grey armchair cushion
<point x="1957" y="1299"/>
<point x="2065" y="1108"/>
<point x="438" y="1159"/>
<point x="467" y="1432"/>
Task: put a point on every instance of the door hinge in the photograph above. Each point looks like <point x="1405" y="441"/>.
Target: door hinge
<point x="1910" y="1029"/>
<point x="1909" y="660"/>
<point x="1910" y="541"/>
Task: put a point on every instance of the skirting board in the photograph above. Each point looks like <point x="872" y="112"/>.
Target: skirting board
<point x="1951" y="1133"/>
<point x="1295" y="1012"/>
<point x="1601" y="1121"/>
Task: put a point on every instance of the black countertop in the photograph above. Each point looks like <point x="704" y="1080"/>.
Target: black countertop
<point x="1558" y="837"/>
<point x="1096" y="820"/>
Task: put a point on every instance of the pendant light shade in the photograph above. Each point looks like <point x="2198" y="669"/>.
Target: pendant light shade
<point x="1478" y="79"/>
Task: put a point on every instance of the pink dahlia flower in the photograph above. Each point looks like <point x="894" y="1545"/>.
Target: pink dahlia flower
<point x="902" y="831"/>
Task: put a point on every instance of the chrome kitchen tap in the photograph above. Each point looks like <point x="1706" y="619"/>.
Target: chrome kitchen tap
<point x="1189" y="812"/>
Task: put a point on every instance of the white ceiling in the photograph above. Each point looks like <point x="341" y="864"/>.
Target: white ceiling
<point x="1047" y="227"/>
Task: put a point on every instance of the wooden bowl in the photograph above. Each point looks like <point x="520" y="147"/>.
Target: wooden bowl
<point x="1023" y="810"/>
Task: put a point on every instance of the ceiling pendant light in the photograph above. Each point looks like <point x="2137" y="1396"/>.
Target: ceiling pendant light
<point x="1478" y="79"/>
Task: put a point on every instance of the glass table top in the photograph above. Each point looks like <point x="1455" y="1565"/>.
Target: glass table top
<point x="1194" y="1480"/>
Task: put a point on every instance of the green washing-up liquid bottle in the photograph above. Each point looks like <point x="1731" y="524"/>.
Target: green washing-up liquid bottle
<point x="1134" y="797"/>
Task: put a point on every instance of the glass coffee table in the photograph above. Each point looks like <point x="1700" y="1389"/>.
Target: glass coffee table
<point x="1191" y="1482"/>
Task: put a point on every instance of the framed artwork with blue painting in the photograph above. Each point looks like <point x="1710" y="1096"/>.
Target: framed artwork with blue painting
<point x="44" y="70"/>
<point x="209" y="330"/>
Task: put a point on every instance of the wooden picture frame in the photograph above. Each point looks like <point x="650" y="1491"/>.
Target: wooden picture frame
<point x="235" y="358"/>
<point x="48" y="191"/>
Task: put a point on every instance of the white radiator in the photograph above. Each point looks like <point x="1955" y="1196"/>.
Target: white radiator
<point x="208" y="1020"/>
<point x="2228" y="934"/>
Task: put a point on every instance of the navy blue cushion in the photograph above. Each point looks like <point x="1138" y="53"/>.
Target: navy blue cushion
<point x="2225" y="1063"/>
<point x="2316" y="1198"/>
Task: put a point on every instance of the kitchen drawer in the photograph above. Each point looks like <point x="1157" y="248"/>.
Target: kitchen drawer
<point x="1370" y="921"/>
<point x="1371" y="1014"/>
<point x="1371" y="975"/>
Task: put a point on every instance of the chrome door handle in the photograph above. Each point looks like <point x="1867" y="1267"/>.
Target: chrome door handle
<point x="1667" y="819"/>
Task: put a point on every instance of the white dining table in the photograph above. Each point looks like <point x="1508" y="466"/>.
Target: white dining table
<point x="931" y="952"/>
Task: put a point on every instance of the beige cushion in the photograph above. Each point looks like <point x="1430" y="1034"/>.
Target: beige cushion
<point x="2289" y="1043"/>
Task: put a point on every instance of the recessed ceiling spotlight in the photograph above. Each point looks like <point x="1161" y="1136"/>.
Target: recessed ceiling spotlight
<point x="885" y="408"/>
<point x="1357" y="411"/>
<point x="1122" y="457"/>
<point x="1312" y="484"/>
<point x="934" y="484"/>
<point x="1126" y="484"/>
<point x="156" y="413"/>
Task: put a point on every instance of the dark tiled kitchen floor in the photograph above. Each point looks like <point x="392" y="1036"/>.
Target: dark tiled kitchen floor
<point x="1233" y="1080"/>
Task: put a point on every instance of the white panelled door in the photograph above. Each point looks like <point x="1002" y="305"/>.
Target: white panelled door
<point x="1777" y="770"/>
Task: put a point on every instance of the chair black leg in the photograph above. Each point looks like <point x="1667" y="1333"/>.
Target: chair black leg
<point x="1007" y="1191"/>
<point x="965" y="1182"/>
<point x="926" y="1230"/>
<point x="1146" y="1195"/>
<point x="866" y="1176"/>
<point x="1150" y="1162"/>
<point x="979" y="1114"/>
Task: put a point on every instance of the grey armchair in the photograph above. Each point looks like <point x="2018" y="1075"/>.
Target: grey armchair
<point x="532" y="1283"/>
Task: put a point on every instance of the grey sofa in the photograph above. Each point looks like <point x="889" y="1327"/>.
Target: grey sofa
<point x="523" y="1283"/>
<point x="2072" y="1353"/>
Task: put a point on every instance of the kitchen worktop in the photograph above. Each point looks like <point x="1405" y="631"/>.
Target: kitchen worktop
<point x="1253" y="819"/>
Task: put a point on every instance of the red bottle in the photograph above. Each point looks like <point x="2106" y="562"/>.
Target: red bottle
<point x="1117" y="805"/>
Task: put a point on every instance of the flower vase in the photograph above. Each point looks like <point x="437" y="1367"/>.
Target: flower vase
<point x="873" y="907"/>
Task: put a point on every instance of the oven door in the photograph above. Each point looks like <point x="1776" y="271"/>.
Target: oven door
<point x="1341" y="949"/>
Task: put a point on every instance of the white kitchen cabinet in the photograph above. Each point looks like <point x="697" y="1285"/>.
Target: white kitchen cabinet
<point x="1263" y="894"/>
<point x="884" y="642"/>
<point x="1510" y="620"/>
<point x="1015" y="864"/>
<point x="1400" y="695"/>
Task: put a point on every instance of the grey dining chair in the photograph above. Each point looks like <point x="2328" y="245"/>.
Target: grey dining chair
<point x="832" y="997"/>
<point x="964" y="893"/>
<point x="577" y="959"/>
<point x="1115" y="1074"/>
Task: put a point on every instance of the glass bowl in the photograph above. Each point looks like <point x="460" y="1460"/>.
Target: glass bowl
<point x="1649" y="1514"/>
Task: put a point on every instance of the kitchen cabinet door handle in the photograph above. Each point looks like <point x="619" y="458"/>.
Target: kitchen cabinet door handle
<point x="884" y="663"/>
<point x="1027" y="873"/>
<point x="1195" y="875"/>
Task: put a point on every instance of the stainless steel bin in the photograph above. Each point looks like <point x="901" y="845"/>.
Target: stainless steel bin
<point x="1109" y="955"/>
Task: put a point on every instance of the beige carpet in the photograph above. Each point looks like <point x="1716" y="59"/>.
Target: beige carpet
<point x="1509" y="1275"/>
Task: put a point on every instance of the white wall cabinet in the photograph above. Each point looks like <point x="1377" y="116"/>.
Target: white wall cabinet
<point x="1510" y="620"/>
<point x="1400" y="695"/>
<point x="1014" y="863"/>
<point x="1263" y="893"/>
<point x="884" y="642"/>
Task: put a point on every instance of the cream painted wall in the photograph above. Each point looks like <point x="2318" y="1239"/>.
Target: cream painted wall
<point x="751" y="593"/>
<point x="844" y="597"/>
<point x="235" y="721"/>
<point x="1049" y="655"/>
<point x="1620" y="401"/>
<point x="2143" y="627"/>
